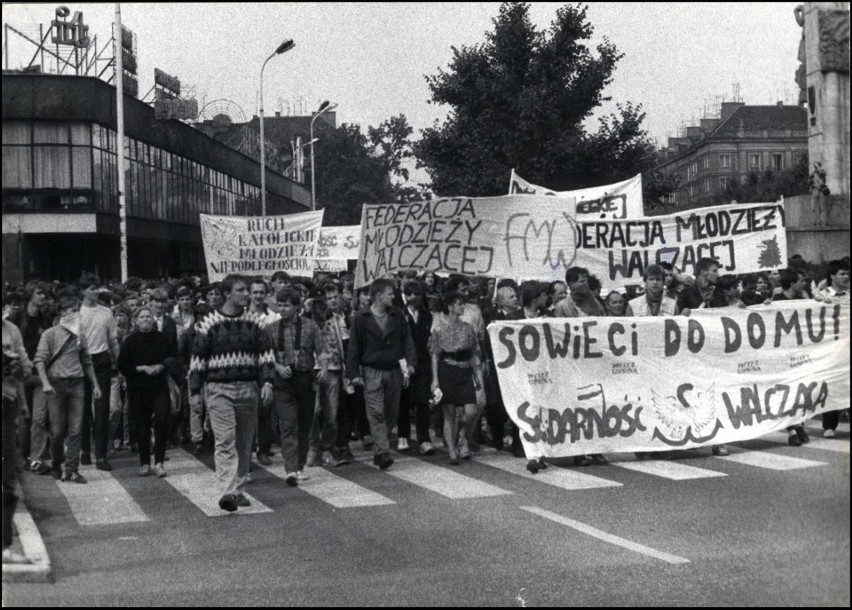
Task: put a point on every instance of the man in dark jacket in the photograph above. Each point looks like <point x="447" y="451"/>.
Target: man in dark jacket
<point x="379" y="341"/>
<point x="416" y="395"/>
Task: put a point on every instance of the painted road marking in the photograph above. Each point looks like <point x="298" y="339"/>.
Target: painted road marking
<point x="101" y="501"/>
<point x="440" y="479"/>
<point x="669" y="470"/>
<point x="570" y="480"/>
<point x="199" y="485"/>
<point x="765" y="459"/>
<point x="332" y="489"/>
<point x="601" y="535"/>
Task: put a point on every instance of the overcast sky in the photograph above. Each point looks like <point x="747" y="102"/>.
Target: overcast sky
<point x="371" y="58"/>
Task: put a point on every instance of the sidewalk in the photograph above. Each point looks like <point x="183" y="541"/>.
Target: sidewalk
<point x="28" y="542"/>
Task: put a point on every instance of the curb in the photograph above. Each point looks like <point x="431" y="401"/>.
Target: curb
<point x="40" y="570"/>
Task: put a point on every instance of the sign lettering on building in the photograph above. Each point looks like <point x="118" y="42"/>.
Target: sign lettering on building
<point x="167" y="81"/>
<point x="73" y="32"/>
<point x="175" y="109"/>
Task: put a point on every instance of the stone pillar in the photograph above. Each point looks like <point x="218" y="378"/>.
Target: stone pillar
<point x="826" y="34"/>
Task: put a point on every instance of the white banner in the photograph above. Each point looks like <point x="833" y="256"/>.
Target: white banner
<point x="576" y="386"/>
<point x="336" y="246"/>
<point x="260" y="245"/>
<point x="612" y="201"/>
<point x="538" y="237"/>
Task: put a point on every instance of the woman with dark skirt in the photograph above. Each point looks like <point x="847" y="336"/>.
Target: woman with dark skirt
<point x="456" y="374"/>
<point x="146" y="357"/>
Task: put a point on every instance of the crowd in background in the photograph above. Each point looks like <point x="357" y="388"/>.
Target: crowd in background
<point x="114" y="361"/>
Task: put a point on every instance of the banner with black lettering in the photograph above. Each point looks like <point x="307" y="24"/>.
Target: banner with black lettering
<point x="336" y="246"/>
<point x="260" y="245"/>
<point x="611" y="201"/>
<point x="577" y="386"/>
<point x="539" y="237"/>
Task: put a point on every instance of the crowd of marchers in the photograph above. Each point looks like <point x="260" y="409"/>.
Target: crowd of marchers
<point x="307" y="365"/>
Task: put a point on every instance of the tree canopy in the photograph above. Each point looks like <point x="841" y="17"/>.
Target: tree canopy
<point x="520" y="101"/>
<point x="354" y="169"/>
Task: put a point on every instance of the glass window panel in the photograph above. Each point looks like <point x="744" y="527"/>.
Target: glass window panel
<point x="81" y="133"/>
<point x="81" y="162"/>
<point x="126" y="151"/>
<point x="50" y="133"/>
<point x="17" y="166"/>
<point x="16" y="132"/>
<point x="97" y="170"/>
<point x="52" y="167"/>
<point x="111" y="137"/>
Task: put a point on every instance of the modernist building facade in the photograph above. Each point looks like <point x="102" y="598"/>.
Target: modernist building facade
<point x="746" y="139"/>
<point x="60" y="183"/>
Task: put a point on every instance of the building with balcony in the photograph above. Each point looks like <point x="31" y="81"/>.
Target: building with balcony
<point x="745" y="139"/>
<point x="60" y="183"/>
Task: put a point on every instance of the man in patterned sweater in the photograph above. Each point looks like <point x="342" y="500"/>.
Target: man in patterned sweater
<point x="231" y="358"/>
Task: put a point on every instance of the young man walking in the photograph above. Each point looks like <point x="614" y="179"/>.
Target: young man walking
<point x="231" y="359"/>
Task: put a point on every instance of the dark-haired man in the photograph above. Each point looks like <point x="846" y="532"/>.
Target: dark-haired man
<point x="100" y="329"/>
<point x="231" y="356"/>
<point x="416" y="396"/>
<point x="379" y="340"/>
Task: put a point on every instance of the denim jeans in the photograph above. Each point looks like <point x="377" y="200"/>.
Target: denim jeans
<point x="65" y="409"/>
<point x="118" y="412"/>
<point x="382" y="391"/>
<point x="39" y="437"/>
<point x="10" y="500"/>
<point x="96" y="412"/>
<point x="232" y="408"/>
<point x="324" y="429"/>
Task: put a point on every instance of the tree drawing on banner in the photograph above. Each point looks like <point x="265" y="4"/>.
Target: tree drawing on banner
<point x="770" y="258"/>
<point x="221" y="238"/>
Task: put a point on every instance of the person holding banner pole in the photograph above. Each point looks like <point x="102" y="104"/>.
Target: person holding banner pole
<point x="456" y="374"/>
<point x="704" y="294"/>
<point x="580" y="303"/>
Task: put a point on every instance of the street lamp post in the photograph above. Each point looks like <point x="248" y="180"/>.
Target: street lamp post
<point x="282" y="48"/>
<point x="324" y="107"/>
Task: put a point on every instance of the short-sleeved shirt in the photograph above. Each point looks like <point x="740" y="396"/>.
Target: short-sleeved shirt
<point x="451" y="338"/>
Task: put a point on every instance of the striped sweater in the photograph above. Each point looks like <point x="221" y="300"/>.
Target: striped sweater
<point x="230" y="348"/>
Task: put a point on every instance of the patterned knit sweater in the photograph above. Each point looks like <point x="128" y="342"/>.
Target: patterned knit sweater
<point x="230" y="348"/>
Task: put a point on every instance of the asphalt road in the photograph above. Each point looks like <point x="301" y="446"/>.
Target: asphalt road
<point x="758" y="528"/>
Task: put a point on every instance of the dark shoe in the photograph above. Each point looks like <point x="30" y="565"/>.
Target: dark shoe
<point x="57" y="473"/>
<point x="541" y="463"/>
<point x="198" y="449"/>
<point x="533" y="466"/>
<point x="242" y="501"/>
<point x="344" y="456"/>
<point x="455" y="461"/>
<point x="598" y="458"/>
<point x="292" y="479"/>
<point x="103" y="465"/>
<point x="720" y="450"/>
<point x="228" y="502"/>
<point x="383" y="461"/>
<point x="794" y="440"/>
<point x="582" y="460"/>
<point x="518" y="451"/>
<point x="86" y="459"/>
<point x="40" y="467"/>
<point x="134" y="448"/>
<point x="74" y="477"/>
<point x="802" y="434"/>
<point x="264" y="459"/>
<point x="368" y="442"/>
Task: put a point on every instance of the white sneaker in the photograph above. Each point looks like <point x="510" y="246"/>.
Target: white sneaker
<point x="302" y="476"/>
<point x="426" y="448"/>
<point x="403" y="445"/>
<point x="829" y="433"/>
<point x="160" y="470"/>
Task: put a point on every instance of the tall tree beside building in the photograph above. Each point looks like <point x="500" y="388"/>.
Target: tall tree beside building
<point x="520" y="101"/>
<point x="354" y="169"/>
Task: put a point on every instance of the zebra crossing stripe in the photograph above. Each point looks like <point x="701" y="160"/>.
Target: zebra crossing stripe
<point x="602" y="535"/>
<point x="442" y="480"/>
<point x="102" y="501"/>
<point x="199" y="485"/>
<point x="669" y="470"/>
<point x="570" y="480"/>
<point x="766" y="459"/>
<point x="332" y="489"/>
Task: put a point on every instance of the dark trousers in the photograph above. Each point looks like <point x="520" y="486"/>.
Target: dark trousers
<point x="416" y="398"/>
<point x="145" y="405"/>
<point x="496" y="416"/>
<point x="265" y="427"/>
<point x="830" y="419"/>
<point x="10" y="500"/>
<point x="294" y="401"/>
<point x="352" y="415"/>
<point x="96" y="416"/>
